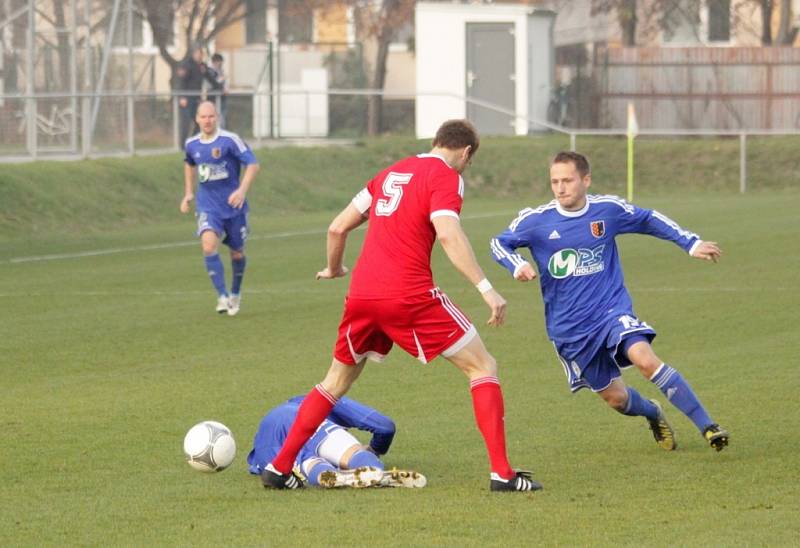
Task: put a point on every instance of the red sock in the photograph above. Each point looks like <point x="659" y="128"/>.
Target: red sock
<point x="487" y="401"/>
<point x="315" y="408"/>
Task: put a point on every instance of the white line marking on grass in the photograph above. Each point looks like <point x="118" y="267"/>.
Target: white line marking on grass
<point x="149" y="247"/>
<point x="170" y="245"/>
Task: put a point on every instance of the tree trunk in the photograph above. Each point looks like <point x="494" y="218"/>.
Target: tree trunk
<point x="375" y="102"/>
<point x="785" y="35"/>
<point x="627" y="20"/>
<point x="160" y="20"/>
<point x="766" y="22"/>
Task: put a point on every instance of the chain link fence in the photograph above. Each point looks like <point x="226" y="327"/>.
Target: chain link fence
<point x="79" y="84"/>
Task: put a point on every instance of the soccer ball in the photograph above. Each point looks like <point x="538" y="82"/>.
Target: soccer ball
<point x="209" y="446"/>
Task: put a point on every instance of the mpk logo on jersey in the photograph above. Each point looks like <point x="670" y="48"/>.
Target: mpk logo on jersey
<point x="580" y="262"/>
<point x="598" y="228"/>
<point x="211" y="172"/>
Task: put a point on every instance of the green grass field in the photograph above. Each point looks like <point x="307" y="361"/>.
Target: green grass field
<point x="107" y="360"/>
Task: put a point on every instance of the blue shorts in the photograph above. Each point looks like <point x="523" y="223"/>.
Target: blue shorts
<point x="595" y="361"/>
<point x="235" y="228"/>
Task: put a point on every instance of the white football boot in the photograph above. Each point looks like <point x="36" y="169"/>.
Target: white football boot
<point x="359" y="478"/>
<point x="234" y="302"/>
<point x="403" y="478"/>
<point x="222" y="305"/>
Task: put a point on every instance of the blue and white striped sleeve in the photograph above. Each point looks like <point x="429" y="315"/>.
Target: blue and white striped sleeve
<point x="505" y="245"/>
<point x="650" y="221"/>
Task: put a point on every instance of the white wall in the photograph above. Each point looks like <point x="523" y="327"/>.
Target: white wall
<point x="441" y="60"/>
<point x="541" y="67"/>
<point x="303" y="113"/>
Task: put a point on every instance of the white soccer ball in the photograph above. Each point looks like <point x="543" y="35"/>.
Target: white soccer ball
<point x="209" y="446"/>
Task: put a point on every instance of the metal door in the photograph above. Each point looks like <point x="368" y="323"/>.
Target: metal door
<point x="491" y="76"/>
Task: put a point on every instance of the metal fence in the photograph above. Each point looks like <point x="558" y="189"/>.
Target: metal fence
<point x="83" y="125"/>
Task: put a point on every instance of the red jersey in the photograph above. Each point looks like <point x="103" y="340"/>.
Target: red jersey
<point x="402" y="200"/>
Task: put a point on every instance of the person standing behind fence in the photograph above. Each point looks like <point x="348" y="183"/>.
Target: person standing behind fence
<point x="189" y="83"/>
<point x="218" y="83"/>
<point x="217" y="156"/>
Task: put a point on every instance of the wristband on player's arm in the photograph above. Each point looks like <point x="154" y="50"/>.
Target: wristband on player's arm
<point x="483" y="286"/>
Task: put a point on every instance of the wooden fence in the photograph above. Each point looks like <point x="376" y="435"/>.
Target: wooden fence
<point x="700" y="87"/>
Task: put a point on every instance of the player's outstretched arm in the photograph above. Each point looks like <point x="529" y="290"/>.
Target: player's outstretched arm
<point x="707" y="251"/>
<point x="349" y="219"/>
<point x="188" y="185"/>
<point x="458" y="249"/>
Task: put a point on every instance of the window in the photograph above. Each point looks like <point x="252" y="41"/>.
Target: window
<point x="256" y="22"/>
<point x="719" y="20"/>
<point x="403" y="39"/>
<point x="121" y="30"/>
<point x="295" y="22"/>
<point x="143" y="40"/>
<point x="681" y="22"/>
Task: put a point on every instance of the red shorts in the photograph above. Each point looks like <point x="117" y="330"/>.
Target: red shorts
<point x="424" y="326"/>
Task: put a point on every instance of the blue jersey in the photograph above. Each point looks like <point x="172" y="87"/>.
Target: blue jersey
<point x="346" y="413"/>
<point x="218" y="163"/>
<point x="576" y="256"/>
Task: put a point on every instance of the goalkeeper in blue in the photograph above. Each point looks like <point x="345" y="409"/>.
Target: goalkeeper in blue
<point x="588" y="312"/>
<point x="333" y="457"/>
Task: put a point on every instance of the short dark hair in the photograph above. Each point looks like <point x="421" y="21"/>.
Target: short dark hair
<point x="569" y="157"/>
<point x="455" y="134"/>
<point x="216" y="57"/>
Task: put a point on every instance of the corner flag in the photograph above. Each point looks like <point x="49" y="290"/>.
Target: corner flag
<point x="633" y="131"/>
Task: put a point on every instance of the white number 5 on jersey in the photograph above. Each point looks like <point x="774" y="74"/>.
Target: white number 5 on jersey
<point x="393" y="188"/>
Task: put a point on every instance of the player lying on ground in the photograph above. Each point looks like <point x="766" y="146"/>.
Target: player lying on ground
<point x="588" y="311"/>
<point x="392" y="297"/>
<point x="333" y="457"/>
<point x="216" y="156"/>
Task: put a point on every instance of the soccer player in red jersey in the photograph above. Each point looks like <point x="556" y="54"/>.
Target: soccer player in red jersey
<point x="393" y="299"/>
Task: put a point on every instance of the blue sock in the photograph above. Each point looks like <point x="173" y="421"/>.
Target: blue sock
<point x="637" y="406"/>
<point x="365" y="458"/>
<point x="238" y="274"/>
<point x="680" y="394"/>
<point x="216" y="271"/>
<point x="318" y="468"/>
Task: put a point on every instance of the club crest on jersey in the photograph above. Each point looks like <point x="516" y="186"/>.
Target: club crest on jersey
<point x="576" y="262"/>
<point x="598" y="228"/>
<point x="216" y="152"/>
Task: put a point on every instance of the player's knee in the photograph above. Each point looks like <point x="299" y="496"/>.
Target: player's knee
<point x="648" y="365"/>
<point x="616" y="400"/>
<point x="237" y="255"/>
<point x="487" y="364"/>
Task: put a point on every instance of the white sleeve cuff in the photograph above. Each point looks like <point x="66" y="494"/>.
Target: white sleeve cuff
<point x="443" y="213"/>
<point x="362" y="201"/>
<point x="694" y="247"/>
<point x="520" y="265"/>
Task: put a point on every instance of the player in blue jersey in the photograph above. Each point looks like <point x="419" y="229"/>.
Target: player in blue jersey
<point x="216" y="156"/>
<point x="588" y="311"/>
<point x="333" y="457"/>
